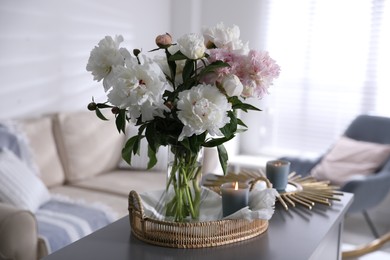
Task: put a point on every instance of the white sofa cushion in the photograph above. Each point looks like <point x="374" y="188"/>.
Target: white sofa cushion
<point x="39" y="132"/>
<point x="19" y="186"/>
<point x="88" y="146"/>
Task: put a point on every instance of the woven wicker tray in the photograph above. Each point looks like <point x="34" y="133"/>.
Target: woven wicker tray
<point x="190" y="234"/>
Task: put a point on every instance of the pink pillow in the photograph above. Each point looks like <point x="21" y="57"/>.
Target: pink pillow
<point x="350" y="159"/>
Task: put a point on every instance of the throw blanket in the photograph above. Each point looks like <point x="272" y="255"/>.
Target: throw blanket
<point x="62" y="222"/>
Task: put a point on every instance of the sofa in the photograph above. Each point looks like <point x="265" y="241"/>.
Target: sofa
<point x="77" y="158"/>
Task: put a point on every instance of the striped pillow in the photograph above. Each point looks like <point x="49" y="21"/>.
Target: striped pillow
<point x="18" y="184"/>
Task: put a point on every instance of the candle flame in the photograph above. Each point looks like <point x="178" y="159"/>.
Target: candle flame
<point x="236" y="185"/>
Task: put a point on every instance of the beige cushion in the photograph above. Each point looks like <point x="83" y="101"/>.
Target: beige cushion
<point x="41" y="139"/>
<point x="88" y="146"/>
<point x="122" y="182"/>
<point x="351" y="159"/>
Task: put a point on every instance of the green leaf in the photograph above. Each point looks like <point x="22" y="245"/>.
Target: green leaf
<point x="151" y="134"/>
<point x="186" y="143"/>
<point x="241" y="123"/>
<point x="238" y="104"/>
<point x="213" y="67"/>
<point x="129" y="147"/>
<point x="152" y="158"/>
<point x="223" y="157"/>
<point x="188" y="70"/>
<point x="196" y="142"/>
<point x="100" y="115"/>
<point x="172" y="66"/>
<point x="177" y="56"/>
<point x="235" y="101"/>
<point x="186" y="85"/>
<point x="120" y="121"/>
<point x="245" y="107"/>
<point x="230" y="128"/>
<point x="141" y="130"/>
<point x="136" y="146"/>
<point x="217" y="141"/>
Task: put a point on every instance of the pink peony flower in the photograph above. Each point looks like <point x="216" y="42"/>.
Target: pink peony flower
<point x="257" y="73"/>
<point x="256" y="70"/>
<point x="226" y="56"/>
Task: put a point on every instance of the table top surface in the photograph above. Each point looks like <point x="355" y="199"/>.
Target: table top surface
<point x="296" y="232"/>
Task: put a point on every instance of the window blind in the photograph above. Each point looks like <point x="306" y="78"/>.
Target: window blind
<point x="334" y="59"/>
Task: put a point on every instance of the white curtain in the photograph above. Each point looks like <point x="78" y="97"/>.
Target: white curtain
<point x="335" y="64"/>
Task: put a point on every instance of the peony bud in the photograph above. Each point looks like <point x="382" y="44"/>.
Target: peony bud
<point x="136" y="52"/>
<point x="115" y="110"/>
<point x="164" y="41"/>
<point x="92" y="106"/>
<point x="232" y="85"/>
<point x="169" y="104"/>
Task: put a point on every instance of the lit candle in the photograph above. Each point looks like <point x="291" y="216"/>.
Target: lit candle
<point x="277" y="173"/>
<point x="234" y="197"/>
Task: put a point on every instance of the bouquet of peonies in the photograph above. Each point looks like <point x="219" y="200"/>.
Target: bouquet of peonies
<point x="186" y="99"/>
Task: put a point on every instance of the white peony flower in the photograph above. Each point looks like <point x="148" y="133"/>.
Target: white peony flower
<point x="225" y="37"/>
<point x="139" y="88"/>
<point x="202" y="108"/>
<point x="192" y="46"/>
<point x="104" y="57"/>
<point x="232" y="85"/>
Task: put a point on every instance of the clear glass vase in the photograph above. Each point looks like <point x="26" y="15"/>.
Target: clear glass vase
<point x="183" y="186"/>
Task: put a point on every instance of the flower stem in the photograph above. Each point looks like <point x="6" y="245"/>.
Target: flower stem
<point x="183" y="184"/>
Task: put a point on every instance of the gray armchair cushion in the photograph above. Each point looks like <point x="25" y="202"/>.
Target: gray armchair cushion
<point x="369" y="190"/>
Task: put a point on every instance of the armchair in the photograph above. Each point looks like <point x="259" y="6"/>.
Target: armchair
<point x="371" y="189"/>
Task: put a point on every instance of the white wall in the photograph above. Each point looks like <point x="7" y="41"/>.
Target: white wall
<point x="45" y="45"/>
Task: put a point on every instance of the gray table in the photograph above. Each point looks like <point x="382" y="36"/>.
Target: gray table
<point x="295" y="234"/>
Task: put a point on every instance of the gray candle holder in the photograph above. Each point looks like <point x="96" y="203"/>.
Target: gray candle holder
<point x="234" y="199"/>
<point x="277" y="172"/>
